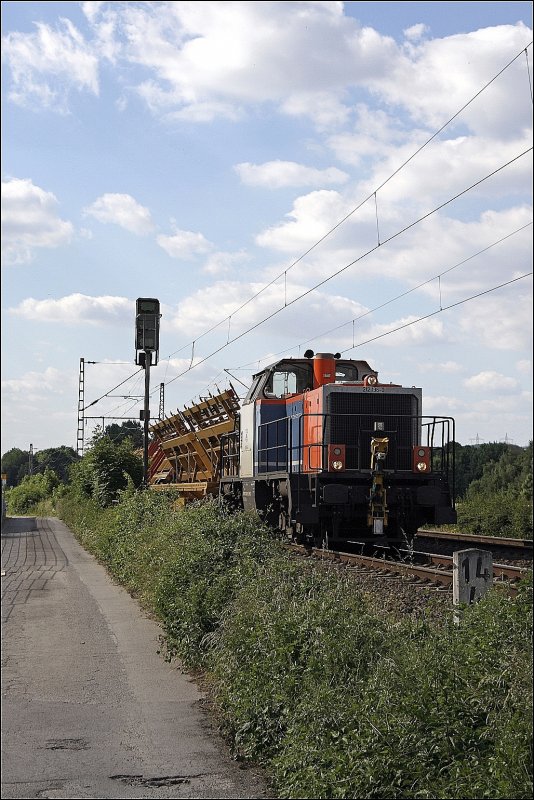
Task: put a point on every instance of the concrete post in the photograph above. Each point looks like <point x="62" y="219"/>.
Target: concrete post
<point x="472" y="575"/>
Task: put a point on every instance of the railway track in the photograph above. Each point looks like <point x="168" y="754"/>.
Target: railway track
<point x="430" y="569"/>
<point x="469" y="539"/>
<point x="509" y="551"/>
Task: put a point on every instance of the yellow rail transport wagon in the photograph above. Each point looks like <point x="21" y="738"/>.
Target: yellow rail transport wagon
<point x="185" y="454"/>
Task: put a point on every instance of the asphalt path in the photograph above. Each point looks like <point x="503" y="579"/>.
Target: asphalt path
<point x="89" y="708"/>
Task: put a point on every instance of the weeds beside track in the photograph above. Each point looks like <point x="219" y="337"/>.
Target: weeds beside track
<point x="339" y="692"/>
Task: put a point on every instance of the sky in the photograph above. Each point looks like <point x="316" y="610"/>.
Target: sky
<point x="345" y="177"/>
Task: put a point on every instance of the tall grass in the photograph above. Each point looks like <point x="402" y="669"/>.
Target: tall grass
<point x="335" y="699"/>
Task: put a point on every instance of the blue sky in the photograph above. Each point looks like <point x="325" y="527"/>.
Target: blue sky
<point x="206" y="154"/>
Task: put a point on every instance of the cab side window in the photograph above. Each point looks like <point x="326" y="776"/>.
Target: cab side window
<point x="346" y="373"/>
<point x="288" y="379"/>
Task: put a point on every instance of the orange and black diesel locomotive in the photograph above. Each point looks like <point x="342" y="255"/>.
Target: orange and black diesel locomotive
<point x="329" y="454"/>
<point x="321" y="448"/>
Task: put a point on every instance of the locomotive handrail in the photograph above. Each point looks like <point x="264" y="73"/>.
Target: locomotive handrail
<point x="280" y="445"/>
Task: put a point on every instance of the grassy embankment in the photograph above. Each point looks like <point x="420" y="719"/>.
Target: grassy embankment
<point x="310" y="676"/>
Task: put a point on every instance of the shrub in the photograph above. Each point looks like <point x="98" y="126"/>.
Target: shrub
<point x="32" y="490"/>
<point x="106" y="469"/>
<point x="336" y="700"/>
<point x="500" y="513"/>
<point x="343" y="705"/>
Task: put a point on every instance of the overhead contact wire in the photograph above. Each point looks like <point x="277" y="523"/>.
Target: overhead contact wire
<point x="438" y="311"/>
<point x="352" y="263"/>
<point x="362" y="203"/>
<point x="393" y="299"/>
<point x="111" y="390"/>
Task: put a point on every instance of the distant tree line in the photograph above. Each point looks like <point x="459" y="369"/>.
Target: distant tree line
<point x="475" y="461"/>
<point x="494" y="483"/>
<point x="16" y="462"/>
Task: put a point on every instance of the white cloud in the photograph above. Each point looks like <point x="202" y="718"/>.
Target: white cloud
<point x="31" y="382"/>
<point x="490" y="380"/>
<point x="221" y="263"/>
<point x="29" y="220"/>
<point x="325" y="108"/>
<point x="91" y="9"/>
<point x="502" y="321"/>
<point x="105" y="21"/>
<point x="406" y="331"/>
<point x="439" y="405"/>
<point x="524" y="366"/>
<point x="278" y="174"/>
<point x="184" y="244"/>
<point x="211" y="59"/>
<point x="214" y="304"/>
<point x="439" y="76"/>
<point x="374" y="134"/>
<point x="438" y="245"/>
<point x="448" y="367"/>
<point x="123" y="210"/>
<point x="416" y="32"/>
<point x="216" y="59"/>
<point x="77" y="308"/>
<point x="47" y="63"/>
<point x="311" y="217"/>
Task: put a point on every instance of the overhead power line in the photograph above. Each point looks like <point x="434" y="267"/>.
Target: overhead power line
<point x="193" y="365"/>
<point x="438" y="311"/>
<point x="370" y="196"/>
<point x="112" y="390"/>
<point x="332" y="230"/>
<point x="392" y="299"/>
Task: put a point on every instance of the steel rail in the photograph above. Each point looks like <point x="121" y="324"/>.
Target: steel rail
<point x="433" y="574"/>
<point x="441" y="576"/>
<point x="468" y="537"/>
<point x="499" y="570"/>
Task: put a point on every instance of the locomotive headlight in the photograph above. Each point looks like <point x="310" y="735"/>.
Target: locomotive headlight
<point x="336" y="457"/>
<point x="421" y="459"/>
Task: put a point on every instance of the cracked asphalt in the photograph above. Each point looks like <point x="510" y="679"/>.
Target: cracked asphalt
<point x="89" y="709"/>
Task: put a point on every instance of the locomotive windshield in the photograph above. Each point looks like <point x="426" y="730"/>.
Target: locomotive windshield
<point x="282" y="379"/>
<point x="288" y="378"/>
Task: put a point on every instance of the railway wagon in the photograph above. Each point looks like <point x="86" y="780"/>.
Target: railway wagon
<point x="323" y="450"/>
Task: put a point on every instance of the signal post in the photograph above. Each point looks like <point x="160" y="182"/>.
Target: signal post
<point x="147" y="317"/>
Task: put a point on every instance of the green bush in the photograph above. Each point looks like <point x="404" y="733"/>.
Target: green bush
<point x="499" y="513"/>
<point x="32" y="490"/>
<point x="214" y="555"/>
<point x="334" y="698"/>
<point x="106" y="469"/>
<point x="498" y="499"/>
<point x="441" y="714"/>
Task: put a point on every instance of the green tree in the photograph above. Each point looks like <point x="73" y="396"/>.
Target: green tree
<point x="15" y="463"/>
<point x="57" y="458"/>
<point x="106" y="469"/>
<point x="127" y="430"/>
<point x="499" y="501"/>
<point x="471" y="460"/>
